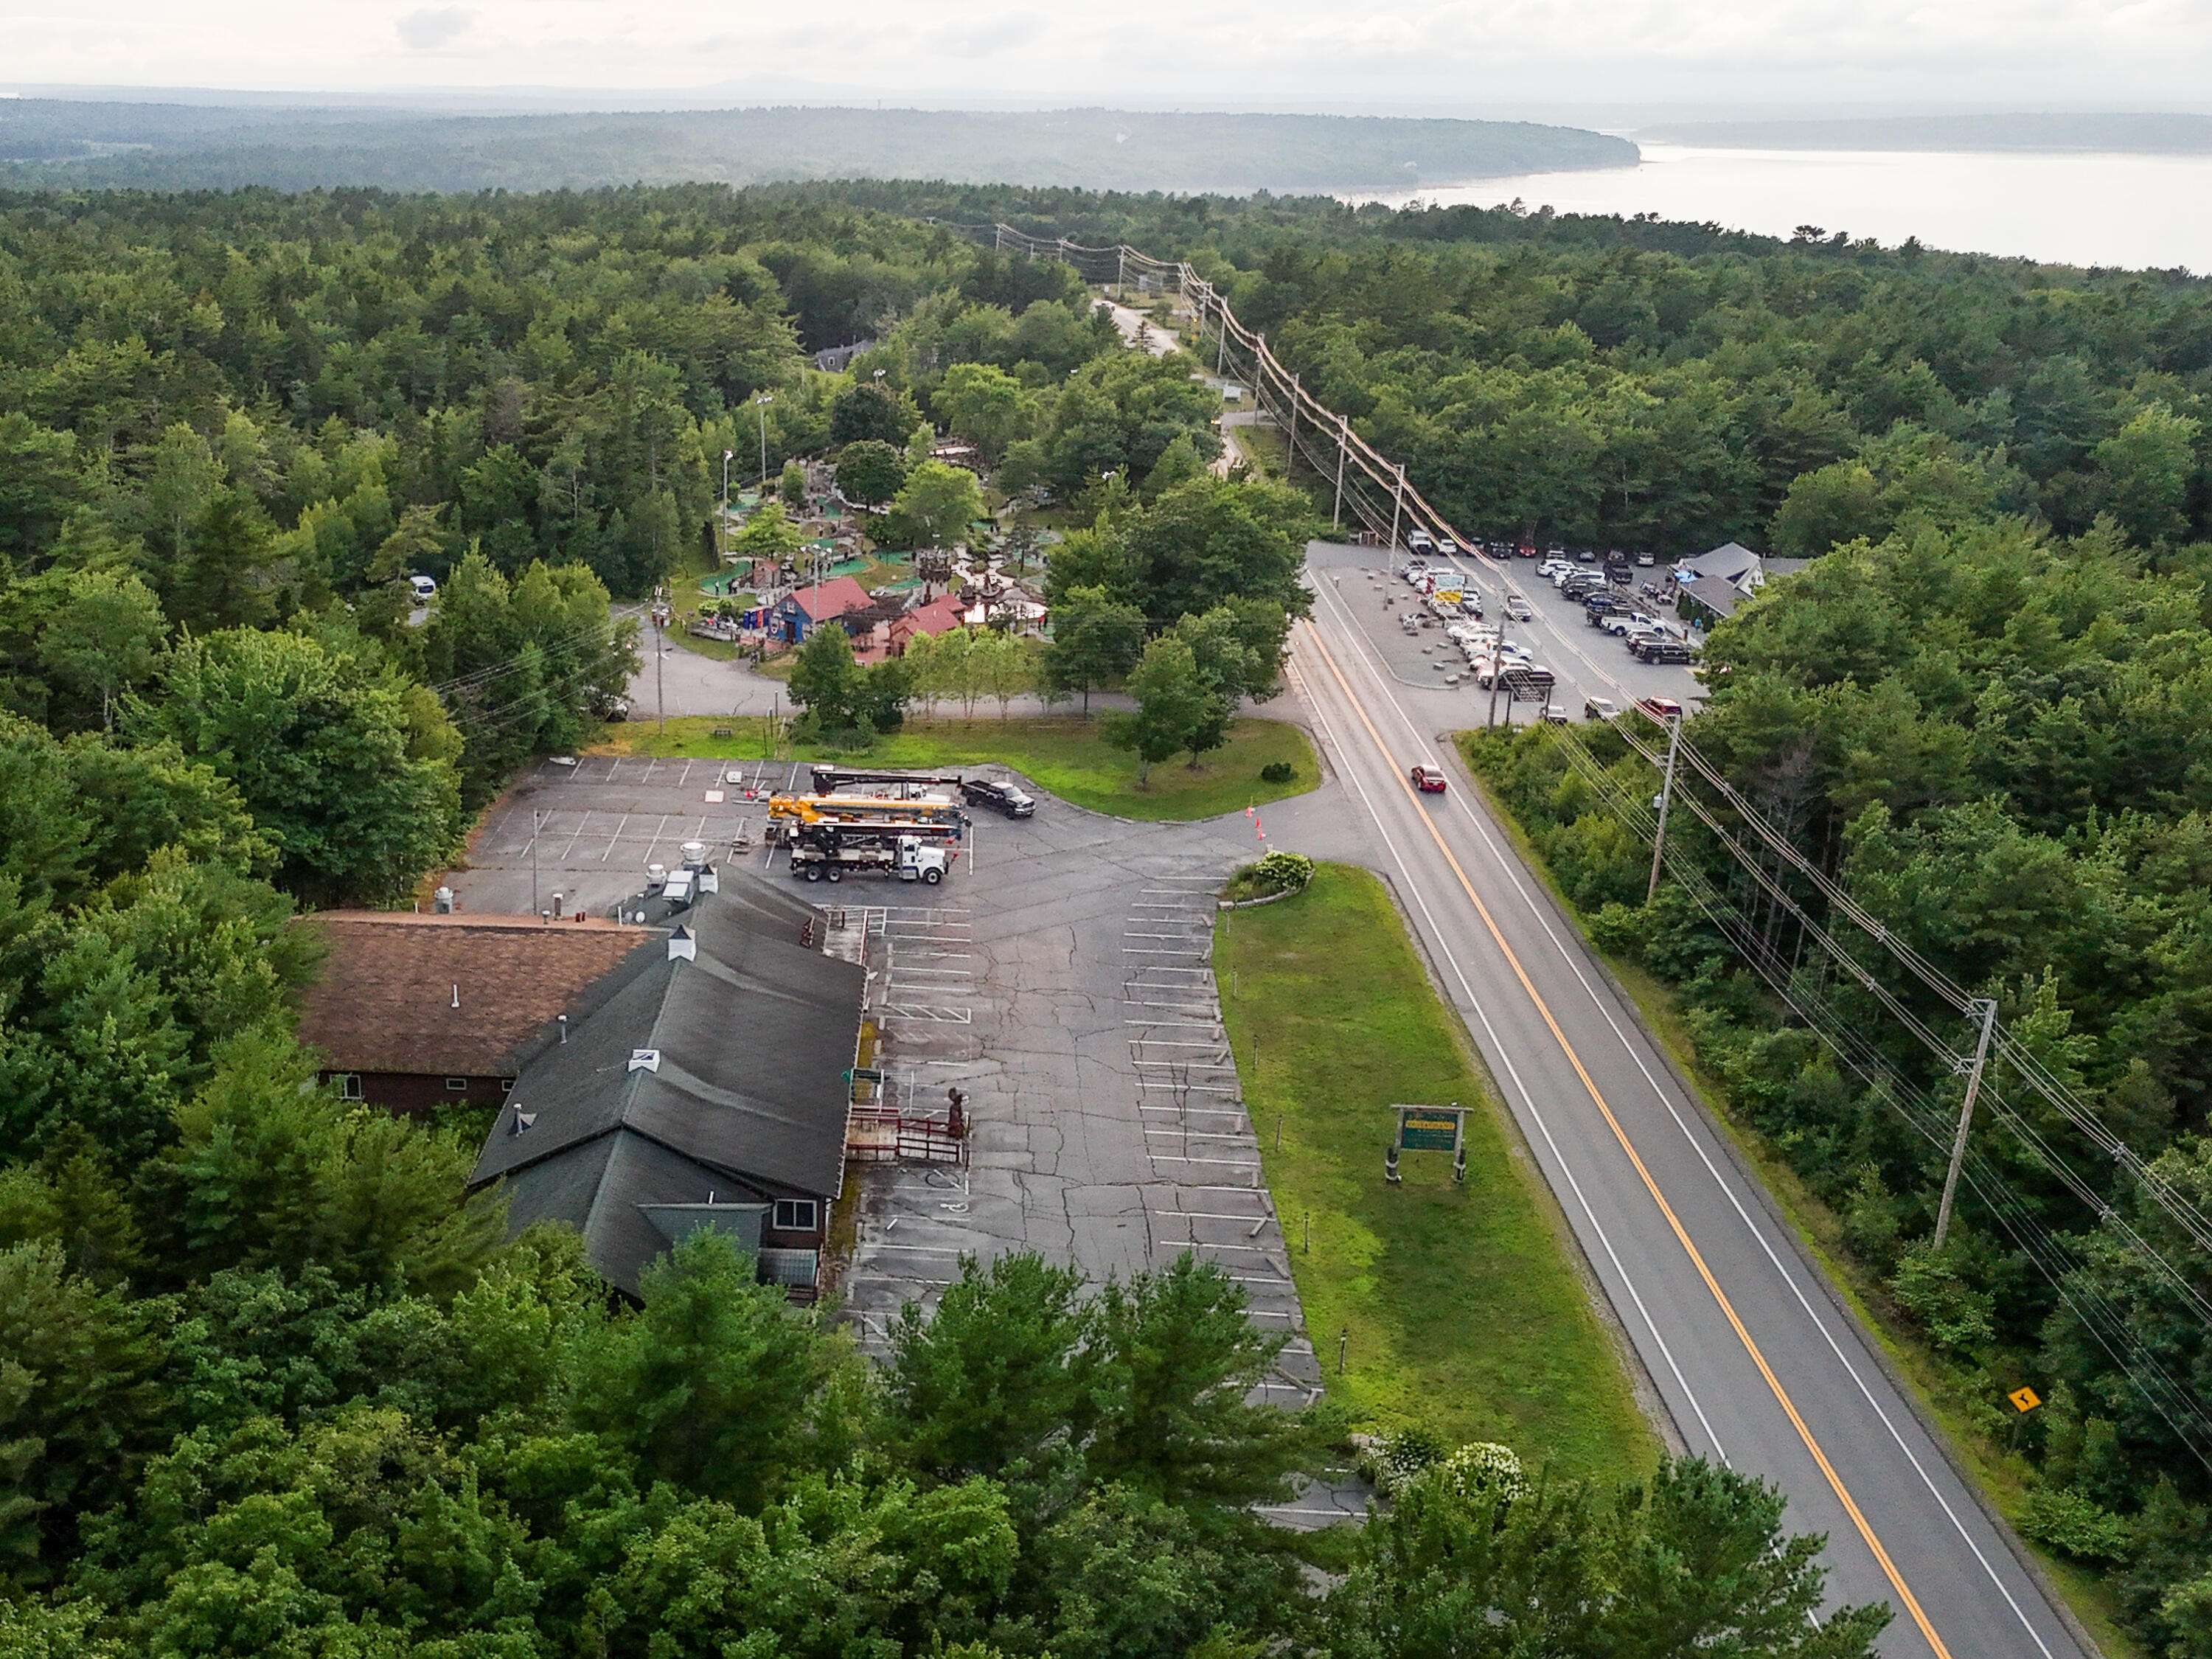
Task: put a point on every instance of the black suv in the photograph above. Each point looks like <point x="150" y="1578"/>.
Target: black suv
<point x="1008" y="797"/>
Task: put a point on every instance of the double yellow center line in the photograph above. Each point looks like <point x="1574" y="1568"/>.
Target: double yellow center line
<point x="1904" y="1596"/>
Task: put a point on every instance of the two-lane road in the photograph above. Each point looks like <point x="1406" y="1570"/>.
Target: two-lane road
<point x="1754" y="1361"/>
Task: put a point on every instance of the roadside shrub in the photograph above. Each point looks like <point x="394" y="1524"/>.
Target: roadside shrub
<point x="1275" y="772"/>
<point x="2070" y="1522"/>
<point x="1928" y="1286"/>
<point x="1398" y="1457"/>
<point x="1283" y="873"/>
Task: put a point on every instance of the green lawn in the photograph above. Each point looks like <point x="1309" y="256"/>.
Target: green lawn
<point x="1065" y="754"/>
<point x="1466" y="1314"/>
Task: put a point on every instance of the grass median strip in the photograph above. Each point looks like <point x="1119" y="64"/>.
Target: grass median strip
<point x="1065" y="754"/>
<point x="1464" y="1315"/>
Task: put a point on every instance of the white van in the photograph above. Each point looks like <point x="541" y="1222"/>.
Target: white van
<point x="423" y="588"/>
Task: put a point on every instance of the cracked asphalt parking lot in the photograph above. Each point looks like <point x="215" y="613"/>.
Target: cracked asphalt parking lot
<point x="1062" y="979"/>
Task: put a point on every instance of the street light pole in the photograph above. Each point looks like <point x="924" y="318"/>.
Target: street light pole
<point x="1989" y="1009"/>
<point x="1666" y="799"/>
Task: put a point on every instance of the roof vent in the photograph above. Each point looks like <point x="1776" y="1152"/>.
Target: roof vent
<point x="656" y="877"/>
<point x="457" y="996"/>
<point x="645" y="1059"/>
<point x="709" y="881"/>
<point x="695" y="855"/>
<point x="684" y="946"/>
<point x="442" y="901"/>
<point x="522" y="1121"/>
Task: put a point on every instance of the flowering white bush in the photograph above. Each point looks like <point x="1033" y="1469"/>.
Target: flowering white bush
<point x="1397" y="1457"/>
<point x="1483" y="1468"/>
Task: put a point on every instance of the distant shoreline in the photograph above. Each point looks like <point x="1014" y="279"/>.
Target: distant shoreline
<point x="1990" y="135"/>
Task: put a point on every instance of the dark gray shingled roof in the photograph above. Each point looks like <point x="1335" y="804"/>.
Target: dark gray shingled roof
<point x="754" y="1037"/>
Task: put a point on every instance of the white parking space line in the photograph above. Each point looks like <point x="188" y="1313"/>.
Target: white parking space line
<point x="616" y="836"/>
<point x="1219" y="1163"/>
<point x="1201" y="1022"/>
<point x="1186" y="1088"/>
<point x="1171" y="1042"/>
<point x="1194" y="1134"/>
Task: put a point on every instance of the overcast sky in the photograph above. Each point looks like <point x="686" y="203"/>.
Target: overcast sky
<point x="1474" y="56"/>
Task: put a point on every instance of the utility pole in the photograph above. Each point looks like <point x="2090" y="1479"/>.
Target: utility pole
<point x="1989" y="1011"/>
<point x="1398" y="511"/>
<point x="1121" y="270"/>
<point x="722" y="524"/>
<point x="1666" y="799"/>
<point x="537" y="826"/>
<point x="1497" y="657"/>
<point x="1343" y="451"/>
<point x="1291" y="460"/>
<point x="761" y="403"/>
<point x="1220" y="336"/>
<point x="660" y="688"/>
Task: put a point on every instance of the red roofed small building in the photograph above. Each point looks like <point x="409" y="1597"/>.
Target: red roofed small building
<point x="797" y="614"/>
<point x="888" y="636"/>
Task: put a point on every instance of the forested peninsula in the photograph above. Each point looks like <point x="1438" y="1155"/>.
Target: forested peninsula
<point x="56" y="143"/>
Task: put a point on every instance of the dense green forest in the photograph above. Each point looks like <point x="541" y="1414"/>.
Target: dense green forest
<point x="268" y="1384"/>
<point x="65" y="145"/>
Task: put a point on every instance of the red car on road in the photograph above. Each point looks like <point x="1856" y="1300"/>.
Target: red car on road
<point x="1427" y="780"/>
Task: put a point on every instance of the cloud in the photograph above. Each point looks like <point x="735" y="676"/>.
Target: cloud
<point x="434" y="25"/>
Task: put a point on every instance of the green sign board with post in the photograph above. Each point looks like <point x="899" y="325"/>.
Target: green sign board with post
<point x="1428" y="1129"/>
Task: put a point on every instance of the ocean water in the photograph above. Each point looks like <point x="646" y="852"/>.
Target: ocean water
<point x="2087" y="209"/>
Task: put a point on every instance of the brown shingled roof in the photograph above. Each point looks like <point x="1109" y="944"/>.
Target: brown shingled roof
<point x="384" y="1001"/>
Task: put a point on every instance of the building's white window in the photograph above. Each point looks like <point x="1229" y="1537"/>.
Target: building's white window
<point x="349" y="1085"/>
<point x="794" y="1215"/>
<point x="457" y="1085"/>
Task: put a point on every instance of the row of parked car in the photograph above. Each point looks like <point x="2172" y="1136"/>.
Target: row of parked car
<point x="1648" y="638"/>
<point x="1422" y="545"/>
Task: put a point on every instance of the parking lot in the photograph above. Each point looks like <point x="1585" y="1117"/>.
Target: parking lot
<point x="1060" y="978"/>
<point x="1063" y="982"/>
<point x="1584" y="661"/>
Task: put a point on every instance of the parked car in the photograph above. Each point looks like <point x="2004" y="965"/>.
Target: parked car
<point x="1668" y="651"/>
<point x="1626" y="622"/>
<point x="1586" y="555"/>
<point x="1660" y="708"/>
<point x="1008" y="797"/>
<point x="1447" y="548"/>
<point x="1427" y="780"/>
<point x="1519" y="609"/>
<point x="1554" y="715"/>
<point x="423" y="588"/>
<point x="1643" y="561"/>
<point x="1524" y="549"/>
<point x="1600" y="708"/>
<point x="1498" y="549"/>
<point x="1419" y="542"/>
<point x="1470" y="605"/>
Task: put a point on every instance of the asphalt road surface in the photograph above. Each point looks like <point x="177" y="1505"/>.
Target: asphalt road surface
<point x="1755" y="1362"/>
